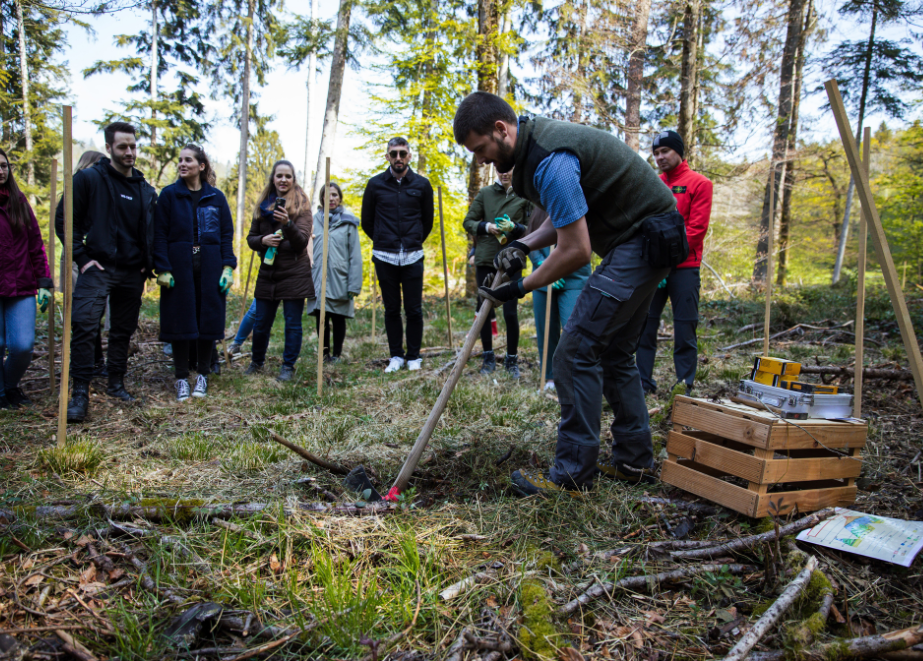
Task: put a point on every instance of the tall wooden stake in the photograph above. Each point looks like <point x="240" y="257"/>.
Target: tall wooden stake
<point x="374" y="301"/>
<point x="445" y="273"/>
<point x="879" y="239"/>
<point x="53" y="203"/>
<point x="544" y="367"/>
<point x="244" y="306"/>
<point x="769" y="260"/>
<point x="860" y="282"/>
<point x="68" y="166"/>
<point x="322" y="299"/>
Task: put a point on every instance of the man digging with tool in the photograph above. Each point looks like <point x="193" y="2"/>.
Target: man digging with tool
<point x="601" y="197"/>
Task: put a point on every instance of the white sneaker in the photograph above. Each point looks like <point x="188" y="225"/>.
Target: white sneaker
<point x="549" y="385"/>
<point x="201" y="386"/>
<point x="396" y="363"/>
<point x="182" y="390"/>
<point x="414" y="364"/>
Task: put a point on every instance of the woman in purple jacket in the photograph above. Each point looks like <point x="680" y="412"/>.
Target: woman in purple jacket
<point x="23" y="270"/>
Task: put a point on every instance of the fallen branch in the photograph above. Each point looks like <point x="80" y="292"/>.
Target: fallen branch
<point x="773" y="614"/>
<point x="74" y="648"/>
<point x="787" y="331"/>
<point x="701" y="508"/>
<point x="639" y="582"/>
<point x="457" y="650"/>
<point x="313" y="458"/>
<point x="169" y="541"/>
<point x="850" y="372"/>
<point x="466" y="584"/>
<point x="747" y="542"/>
<point x="240" y="530"/>
<point x="894" y="646"/>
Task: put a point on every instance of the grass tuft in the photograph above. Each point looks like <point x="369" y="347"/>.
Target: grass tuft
<point x="80" y="454"/>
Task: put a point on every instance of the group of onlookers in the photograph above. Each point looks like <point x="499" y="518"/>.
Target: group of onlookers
<point x="123" y="233"/>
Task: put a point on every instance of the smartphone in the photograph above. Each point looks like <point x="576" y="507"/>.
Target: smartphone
<point x="280" y="202"/>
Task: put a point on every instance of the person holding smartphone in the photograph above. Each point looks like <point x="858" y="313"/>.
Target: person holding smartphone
<point x="281" y="232"/>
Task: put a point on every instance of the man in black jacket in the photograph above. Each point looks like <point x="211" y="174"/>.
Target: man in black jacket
<point x="113" y="234"/>
<point x="397" y="214"/>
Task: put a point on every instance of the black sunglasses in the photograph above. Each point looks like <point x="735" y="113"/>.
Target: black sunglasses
<point x="395" y="153"/>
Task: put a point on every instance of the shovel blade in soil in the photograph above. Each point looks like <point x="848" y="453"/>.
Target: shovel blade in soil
<point x="358" y="482"/>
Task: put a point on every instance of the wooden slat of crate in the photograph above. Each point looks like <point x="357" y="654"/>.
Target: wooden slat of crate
<point x="761" y="429"/>
<point x="690" y="476"/>
<point x="728" y="456"/>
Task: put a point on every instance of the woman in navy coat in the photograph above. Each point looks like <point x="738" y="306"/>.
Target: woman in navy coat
<point x="195" y="262"/>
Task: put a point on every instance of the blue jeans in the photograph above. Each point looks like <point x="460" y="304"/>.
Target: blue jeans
<point x="265" y="316"/>
<point x="562" y="304"/>
<point x="17" y="335"/>
<point x="246" y="326"/>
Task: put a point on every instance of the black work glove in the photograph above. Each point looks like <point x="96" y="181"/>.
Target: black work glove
<point x="503" y="293"/>
<point x="517" y="233"/>
<point x="512" y="259"/>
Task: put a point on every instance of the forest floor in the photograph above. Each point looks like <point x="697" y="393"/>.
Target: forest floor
<point x="185" y="531"/>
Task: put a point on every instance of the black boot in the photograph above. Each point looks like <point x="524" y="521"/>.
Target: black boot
<point x="490" y="362"/>
<point x="574" y="465"/>
<point x="512" y="365"/>
<point x="79" y="403"/>
<point x="117" y="388"/>
<point x="17" y="398"/>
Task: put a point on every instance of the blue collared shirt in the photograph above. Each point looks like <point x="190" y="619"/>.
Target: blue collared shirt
<point x="557" y="179"/>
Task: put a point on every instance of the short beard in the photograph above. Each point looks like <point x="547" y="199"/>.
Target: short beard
<point x="398" y="167"/>
<point x="506" y="160"/>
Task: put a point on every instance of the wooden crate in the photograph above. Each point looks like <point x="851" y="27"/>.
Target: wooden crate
<point x="730" y="440"/>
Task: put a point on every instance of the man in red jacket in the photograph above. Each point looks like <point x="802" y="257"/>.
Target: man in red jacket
<point x="693" y="193"/>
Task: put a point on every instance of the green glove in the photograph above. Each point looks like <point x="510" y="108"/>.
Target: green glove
<point x="558" y="285"/>
<point x="352" y="294"/>
<point x="42" y="298"/>
<point x="504" y="224"/>
<point x="663" y="283"/>
<point x="165" y="279"/>
<point x="227" y="279"/>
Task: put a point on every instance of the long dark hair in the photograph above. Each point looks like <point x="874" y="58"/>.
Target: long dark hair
<point x="206" y="176"/>
<point x="17" y="207"/>
<point x="297" y="200"/>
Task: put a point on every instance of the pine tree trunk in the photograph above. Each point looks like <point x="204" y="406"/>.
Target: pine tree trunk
<point x="244" y="127"/>
<point x="866" y="79"/>
<point x="638" y="46"/>
<point x="786" y="218"/>
<point x="579" y="80"/>
<point x="334" y="91"/>
<point x="795" y="21"/>
<point x="312" y="78"/>
<point x="503" y="77"/>
<point x="26" y="107"/>
<point x="155" y="53"/>
<point x="689" y="78"/>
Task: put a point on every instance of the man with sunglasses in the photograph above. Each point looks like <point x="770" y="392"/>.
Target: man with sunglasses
<point x="397" y="214"/>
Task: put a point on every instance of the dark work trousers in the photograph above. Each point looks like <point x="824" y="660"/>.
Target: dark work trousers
<point x="394" y="280"/>
<point x="203" y="348"/>
<point x="338" y="321"/>
<point x="124" y="287"/>
<point x="595" y="358"/>
<point x="510" y="315"/>
<point x="683" y="291"/>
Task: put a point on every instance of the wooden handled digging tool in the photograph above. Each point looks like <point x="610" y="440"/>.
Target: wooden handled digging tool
<point x="68" y="272"/>
<point x="358" y="481"/>
<point x="53" y="203"/>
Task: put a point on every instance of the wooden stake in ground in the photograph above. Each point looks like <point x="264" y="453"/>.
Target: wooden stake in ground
<point x="53" y="203"/>
<point x="769" y="259"/>
<point x="445" y="272"/>
<point x="243" y="307"/>
<point x="860" y="283"/>
<point x="68" y="166"/>
<point x="322" y="299"/>
<point x="879" y="239"/>
<point x="544" y="367"/>
<point x="410" y="464"/>
<point x="775" y="612"/>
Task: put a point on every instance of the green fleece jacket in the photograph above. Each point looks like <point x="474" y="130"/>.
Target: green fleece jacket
<point x="493" y="202"/>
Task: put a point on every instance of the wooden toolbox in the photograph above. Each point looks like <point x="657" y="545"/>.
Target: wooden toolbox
<point x="745" y="459"/>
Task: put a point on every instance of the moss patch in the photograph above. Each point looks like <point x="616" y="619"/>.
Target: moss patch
<point x="537" y="629"/>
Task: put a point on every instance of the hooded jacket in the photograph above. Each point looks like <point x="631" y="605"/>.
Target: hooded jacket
<point x="344" y="260"/>
<point x="173" y="240"/>
<point x="23" y="267"/>
<point x="490" y="203"/>
<point x="289" y="276"/>
<point x="693" y="193"/>
<point x="96" y="233"/>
